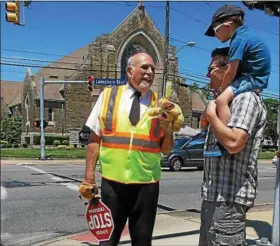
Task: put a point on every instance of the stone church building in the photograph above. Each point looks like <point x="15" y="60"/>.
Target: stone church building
<point x="67" y="106"/>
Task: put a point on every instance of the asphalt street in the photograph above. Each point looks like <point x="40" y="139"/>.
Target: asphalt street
<point x="41" y="201"/>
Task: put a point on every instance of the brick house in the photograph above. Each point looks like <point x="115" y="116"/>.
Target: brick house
<point x="67" y="106"/>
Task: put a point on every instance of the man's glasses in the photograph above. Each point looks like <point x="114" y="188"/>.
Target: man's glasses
<point x="219" y="26"/>
<point x="211" y="69"/>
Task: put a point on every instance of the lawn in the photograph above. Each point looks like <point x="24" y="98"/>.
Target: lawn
<point x="267" y="155"/>
<point x="36" y="153"/>
<point x="74" y="153"/>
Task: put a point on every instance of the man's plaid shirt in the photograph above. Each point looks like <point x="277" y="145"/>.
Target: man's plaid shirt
<point x="234" y="177"/>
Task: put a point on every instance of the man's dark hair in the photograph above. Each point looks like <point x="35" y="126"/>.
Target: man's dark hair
<point x="223" y="55"/>
<point x="220" y="51"/>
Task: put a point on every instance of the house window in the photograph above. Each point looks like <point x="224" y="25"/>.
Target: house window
<point x="50" y="114"/>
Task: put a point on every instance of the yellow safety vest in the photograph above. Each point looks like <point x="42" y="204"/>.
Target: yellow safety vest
<point x="128" y="154"/>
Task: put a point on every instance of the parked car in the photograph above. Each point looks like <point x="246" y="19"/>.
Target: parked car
<point x="188" y="153"/>
<point x="274" y="160"/>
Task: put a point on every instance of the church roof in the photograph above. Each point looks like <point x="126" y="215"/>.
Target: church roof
<point x="198" y="101"/>
<point x="10" y="90"/>
<point x="57" y="69"/>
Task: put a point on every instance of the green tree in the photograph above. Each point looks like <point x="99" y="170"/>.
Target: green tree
<point x="194" y="87"/>
<point x="271" y="127"/>
<point x="11" y="129"/>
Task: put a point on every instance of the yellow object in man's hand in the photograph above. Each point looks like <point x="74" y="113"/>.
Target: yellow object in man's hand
<point x="89" y="191"/>
<point x="170" y="114"/>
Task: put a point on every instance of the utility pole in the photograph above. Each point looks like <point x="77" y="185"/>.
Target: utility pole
<point x="166" y="48"/>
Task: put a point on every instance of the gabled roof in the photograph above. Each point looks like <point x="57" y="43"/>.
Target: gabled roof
<point x="198" y="101"/>
<point x="134" y="12"/>
<point x="71" y="61"/>
<point x="10" y="90"/>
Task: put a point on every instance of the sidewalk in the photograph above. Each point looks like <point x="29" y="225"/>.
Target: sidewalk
<point x="177" y="228"/>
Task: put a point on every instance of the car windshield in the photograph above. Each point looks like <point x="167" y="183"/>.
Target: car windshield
<point x="178" y="143"/>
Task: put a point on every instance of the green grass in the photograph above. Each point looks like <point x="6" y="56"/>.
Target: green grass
<point x="75" y="153"/>
<point x="267" y="155"/>
<point x="36" y="153"/>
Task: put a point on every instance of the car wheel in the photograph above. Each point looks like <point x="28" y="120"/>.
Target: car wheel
<point x="176" y="164"/>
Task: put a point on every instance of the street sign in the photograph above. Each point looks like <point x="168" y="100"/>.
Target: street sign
<point x="110" y="81"/>
<point x="100" y="221"/>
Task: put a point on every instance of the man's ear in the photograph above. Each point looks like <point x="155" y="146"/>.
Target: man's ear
<point x="129" y="71"/>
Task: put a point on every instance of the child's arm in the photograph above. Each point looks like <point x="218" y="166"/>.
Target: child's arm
<point x="230" y="74"/>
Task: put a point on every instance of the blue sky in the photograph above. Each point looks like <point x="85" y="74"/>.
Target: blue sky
<point x="63" y="27"/>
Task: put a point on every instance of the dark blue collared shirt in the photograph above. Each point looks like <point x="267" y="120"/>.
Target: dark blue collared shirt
<point x="253" y="54"/>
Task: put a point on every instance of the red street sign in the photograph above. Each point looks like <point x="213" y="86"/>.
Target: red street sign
<point x="100" y="221"/>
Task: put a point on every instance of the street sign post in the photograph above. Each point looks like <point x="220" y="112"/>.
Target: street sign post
<point x="100" y="221"/>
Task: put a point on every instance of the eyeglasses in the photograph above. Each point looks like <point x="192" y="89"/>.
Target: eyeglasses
<point x="211" y="69"/>
<point x="216" y="29"/>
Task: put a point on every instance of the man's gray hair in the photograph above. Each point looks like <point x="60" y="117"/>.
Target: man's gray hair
<point x="130" y="62"/>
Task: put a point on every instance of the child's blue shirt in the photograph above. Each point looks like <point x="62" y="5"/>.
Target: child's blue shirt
<point x="253" y="54"/>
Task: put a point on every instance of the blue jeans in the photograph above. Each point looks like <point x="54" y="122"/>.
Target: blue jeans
<point x="244" y="83"/>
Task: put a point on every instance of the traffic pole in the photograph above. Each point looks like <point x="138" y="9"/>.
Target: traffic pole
<point x="275" y="225"/>
<point x="42" y="106"/>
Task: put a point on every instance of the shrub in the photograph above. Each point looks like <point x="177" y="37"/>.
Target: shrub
<point x="61" y="146"/>
<point x="49" y="139"/>
<point x="3" y="142"/>
<point x="11" y="129"/>
<point x="56" y="142"/>
<point x="8" y="145"/>
<point x="24" y="145"/>
<point x="70" y="147"/>
<point x="16" y="145"/>
<point x="65" y="142"/>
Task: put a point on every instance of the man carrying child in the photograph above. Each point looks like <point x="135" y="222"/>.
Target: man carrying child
<point x="230" y="177"/>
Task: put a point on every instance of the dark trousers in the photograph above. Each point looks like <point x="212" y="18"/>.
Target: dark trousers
<point x="135" y="202"/>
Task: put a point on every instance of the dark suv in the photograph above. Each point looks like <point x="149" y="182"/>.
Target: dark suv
<point x="185" y="153"/>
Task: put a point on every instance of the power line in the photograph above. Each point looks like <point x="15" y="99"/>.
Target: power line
<point x="38" y="60"/>
<point x="41" y="53"/>
<point x="190" y="17"/>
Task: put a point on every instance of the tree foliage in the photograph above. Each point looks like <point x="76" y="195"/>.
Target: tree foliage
<point x="11" y="129"/>
<point x="271" y="127"/>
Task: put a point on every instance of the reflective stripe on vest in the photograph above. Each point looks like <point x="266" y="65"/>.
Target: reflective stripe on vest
<point x="124" y="143"/>
<point x="107" y="112"/>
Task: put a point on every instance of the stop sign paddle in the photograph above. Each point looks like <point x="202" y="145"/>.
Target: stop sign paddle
<point x="99" y="219"/>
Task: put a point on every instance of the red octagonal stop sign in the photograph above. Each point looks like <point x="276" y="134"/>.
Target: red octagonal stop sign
<point x="100" y="221"/>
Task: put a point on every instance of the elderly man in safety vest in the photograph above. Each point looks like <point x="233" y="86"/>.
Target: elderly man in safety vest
<point x="131" y="127"/>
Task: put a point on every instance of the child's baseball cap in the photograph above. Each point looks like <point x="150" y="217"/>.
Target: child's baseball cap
<point x="223" y="12"/>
